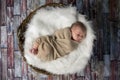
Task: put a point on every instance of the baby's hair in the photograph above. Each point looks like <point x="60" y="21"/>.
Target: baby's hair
<point x="80" y="24"/>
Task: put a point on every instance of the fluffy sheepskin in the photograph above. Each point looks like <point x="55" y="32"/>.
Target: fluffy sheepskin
<point x="45" y="22"/>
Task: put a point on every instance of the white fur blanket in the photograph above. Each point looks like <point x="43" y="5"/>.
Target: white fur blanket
<point x="46" y="22"/>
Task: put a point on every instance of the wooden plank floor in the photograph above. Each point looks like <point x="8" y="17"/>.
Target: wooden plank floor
<point x="104" y="63"/>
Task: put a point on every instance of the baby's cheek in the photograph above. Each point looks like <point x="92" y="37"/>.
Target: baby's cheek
<point x="74" y="37"/>
<point x="78" y="39"/>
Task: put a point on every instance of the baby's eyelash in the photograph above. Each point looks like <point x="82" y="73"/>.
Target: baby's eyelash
<point x="78" y="35"/>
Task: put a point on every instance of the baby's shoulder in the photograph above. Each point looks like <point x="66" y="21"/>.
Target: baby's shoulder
<point x="63" y="29"/>
<point x="62" y="32"/>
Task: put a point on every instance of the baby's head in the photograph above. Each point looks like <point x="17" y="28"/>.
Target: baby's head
<point x="78" y="31"/>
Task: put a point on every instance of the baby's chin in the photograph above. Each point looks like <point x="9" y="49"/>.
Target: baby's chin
<point x="78" y="41"/>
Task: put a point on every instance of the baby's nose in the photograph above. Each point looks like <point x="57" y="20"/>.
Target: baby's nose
<point x="80" y="37"/>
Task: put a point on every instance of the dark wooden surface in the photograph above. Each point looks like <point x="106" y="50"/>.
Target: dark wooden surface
<point x="104" y="63"/>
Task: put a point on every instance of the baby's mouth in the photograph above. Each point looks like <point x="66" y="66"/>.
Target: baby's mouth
<point x="80" y="40"/>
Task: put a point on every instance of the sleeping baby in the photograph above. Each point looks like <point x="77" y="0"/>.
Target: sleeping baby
<point x="61" y="43"/>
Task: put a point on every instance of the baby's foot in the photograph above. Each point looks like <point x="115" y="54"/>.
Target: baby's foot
<point x="34" y="51"/>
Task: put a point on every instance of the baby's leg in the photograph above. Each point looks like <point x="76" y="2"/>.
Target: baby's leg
<point x="45" y="52"/>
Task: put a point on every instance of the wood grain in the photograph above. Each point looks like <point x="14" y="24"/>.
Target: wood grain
<point x="24" y="70"/>
<point x="105" y="61"/>
<point x="16" y="23"/>
<point x="10" y="74"/>
<point x="0" y="65"/>
<point x="3" y="37"/>
<point x="17" y="7"/>
<point x="10" y="55"/>
<point x="18" y="64"/>
<point x="15" y="42"/>
<point x="4" y="64"/>
<point x="23" y="9"/>
<point x="10" y="2"/>
<point x="3" y="13"/>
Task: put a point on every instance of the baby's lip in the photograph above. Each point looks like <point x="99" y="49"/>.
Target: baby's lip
<point x="80" y="40"/>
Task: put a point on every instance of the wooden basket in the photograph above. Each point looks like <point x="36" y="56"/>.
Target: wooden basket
<point x="21" y="32"/>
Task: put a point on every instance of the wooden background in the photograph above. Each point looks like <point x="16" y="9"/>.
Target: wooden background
<point x="104" y="63"/>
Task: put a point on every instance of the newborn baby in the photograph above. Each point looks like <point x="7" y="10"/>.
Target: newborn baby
<point x="61" y="43"/>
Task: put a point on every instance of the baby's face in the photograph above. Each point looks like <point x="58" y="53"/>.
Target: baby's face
<point x="78" y="34"/>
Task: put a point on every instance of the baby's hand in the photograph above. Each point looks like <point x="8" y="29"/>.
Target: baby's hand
<point x="34" y="49"/>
